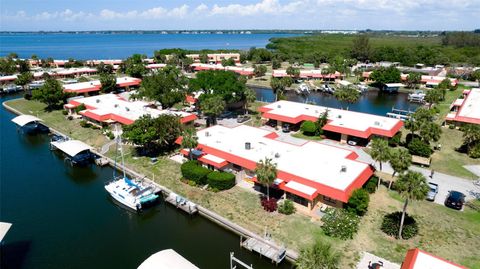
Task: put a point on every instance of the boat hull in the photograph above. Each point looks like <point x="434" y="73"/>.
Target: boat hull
<point x="122" y="200"/>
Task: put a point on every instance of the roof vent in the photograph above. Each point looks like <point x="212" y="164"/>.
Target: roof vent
<point x="116" y="105"/>
<point x="377" y="123"/>
<point x="279" y="106"/>
<point x="277" y="155"/>
<point x="127" y="109"/>
<point x="248" y="145"/>
<point x="343" y="169"/>
<point x="207" y="134"/>
<point x="98" y="100"/>
<point x="339" y="116"/>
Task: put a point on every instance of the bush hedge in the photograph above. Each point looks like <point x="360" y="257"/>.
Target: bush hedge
<point x="371" y="185"/>
<point x="391" y="225"/>
<point x="269" y="205"/>
<point x="191" y="170"/>
<point x="340" y="223"/>
<point x="395" y="140"/>
<point x="220" y="180"/>
<point x="358" y="202"/>
<point x="286" y="207"/>
<point x="420" y="148"/>
<point x="308" y="128"/>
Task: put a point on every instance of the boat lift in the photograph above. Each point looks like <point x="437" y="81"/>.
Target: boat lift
<point x="239" y="262"/>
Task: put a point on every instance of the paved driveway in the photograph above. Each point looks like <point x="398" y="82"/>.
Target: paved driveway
<point x="447" y="183"/>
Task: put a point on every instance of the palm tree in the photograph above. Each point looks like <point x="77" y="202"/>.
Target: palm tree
<point x="411" y="186"/>
<point x="189" y="141"/>
<point x="212" y="107"/>
<point x="320" y="255"/>
<point x="250" y="97"/>
<point x="400" y="160"/>
<point x="266" y="172"/>
<point x="380" y="152"/>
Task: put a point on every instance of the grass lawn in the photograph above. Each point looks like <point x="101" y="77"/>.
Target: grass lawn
<point x="306" y="137"/>
<point x="450" y="161"/>
<point x="256" y="120"/>
<point x="445" y="232"/>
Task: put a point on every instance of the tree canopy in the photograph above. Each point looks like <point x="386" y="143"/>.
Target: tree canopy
<point x="413" y="80"/>
<point x="320" y="255"/>
<point x="212" y="107"/>
<point x="361" y="49"/>
<point x="347" y="95"/>
<point x="153" y="134"/>
<point x="228" y="85"/>
<point x="134" y="66"/>
<point x="166" y="86"/>
<point x="386" y="75"/>
<point x="51" y="94"/>
<point x="108" y="82"/>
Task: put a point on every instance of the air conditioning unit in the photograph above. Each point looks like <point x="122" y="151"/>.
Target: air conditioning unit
<point x="343" y="169"/>
<point x="277" y="155"/>
<point x="248" y="145"/>
<point x="339" y="116"/>
<point x="207" y="134"/>
<point x="377" y="123"/>
<point x="279" y="106"/>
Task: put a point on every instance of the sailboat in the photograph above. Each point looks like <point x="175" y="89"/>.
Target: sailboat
<point x="133" y="194"/>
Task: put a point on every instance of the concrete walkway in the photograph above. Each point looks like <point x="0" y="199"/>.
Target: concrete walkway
<point x="474" y="169"/>
<point x="369" y="260"/>
<point x="106" y="147"/>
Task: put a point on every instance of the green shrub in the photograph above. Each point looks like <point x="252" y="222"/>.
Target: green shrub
<point x="340" y="223"/>
<point x="395" y="140"/>
<point x="371" y="185"/>
<point x="358" y="202"/>
<point x="221" y="180"/>
<point x="85" y="124"/>
<point x="451" y="126"/>
<point x="474" y="152"/>
<point x="391" y="225"/>
<point x="80" y="108"/>
<point x="193" y="171"/>
<point x="64" y="112"/>
<point x="420" y="148"/>
<point x="110" y="135"/>
<point x="308" y="128"/>
<point x="286" y="207"/>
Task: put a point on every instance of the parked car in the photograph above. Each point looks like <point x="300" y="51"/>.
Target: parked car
<point x="286" y="128"/>
<point x="455" y="200"/>
<point x="242" y="118"/>
<point x="272" y="123"/>
<point x="432" y="192"/>
<point x="226" y="115"/>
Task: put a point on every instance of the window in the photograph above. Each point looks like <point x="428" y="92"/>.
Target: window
<point x="297" y="199"/>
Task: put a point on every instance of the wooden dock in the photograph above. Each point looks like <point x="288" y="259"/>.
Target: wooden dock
<point x="181" y="203"/>
<point x="276" y="255"/>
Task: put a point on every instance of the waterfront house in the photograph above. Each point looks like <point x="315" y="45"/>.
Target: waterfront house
<point x="86" y="88"/>
<point x="465" y="109"/>
<point x="307" y="174"/>
<point x="343" y="125"/>
<point x="111" y="108"/>
<point x="309" y="74"/>
<point x="216" y="58"/>
<point x="244" y="71"/>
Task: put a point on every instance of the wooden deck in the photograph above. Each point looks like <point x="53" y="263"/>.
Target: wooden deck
<point x="181" y="203"/>
<point x="276" y="255"/>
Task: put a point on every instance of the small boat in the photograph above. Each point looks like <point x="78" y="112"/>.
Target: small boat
<point x="134" y="194"/>
<point x="417" y="96"/>
<point x="303" y="89"/>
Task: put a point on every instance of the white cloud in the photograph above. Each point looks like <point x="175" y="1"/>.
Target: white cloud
<point x="264" y="7"/>
<point x="311" y="14"/>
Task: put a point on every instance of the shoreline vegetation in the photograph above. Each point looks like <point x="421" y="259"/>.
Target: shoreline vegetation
<point x="240" y="206"/>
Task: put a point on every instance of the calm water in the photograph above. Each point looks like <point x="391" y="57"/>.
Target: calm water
<point x="114" y="46"/>
<point x="63" y="218"/>
<point x="372" y="102"/>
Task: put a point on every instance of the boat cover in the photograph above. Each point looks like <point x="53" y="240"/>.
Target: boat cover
<point x="4" y="227"/>
<point x="71" y="147"/>
<point x="167" y="259"/>
<point x="23" y="120"/>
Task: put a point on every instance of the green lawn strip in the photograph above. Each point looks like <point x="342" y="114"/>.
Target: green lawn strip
<point x="306" y="137"/>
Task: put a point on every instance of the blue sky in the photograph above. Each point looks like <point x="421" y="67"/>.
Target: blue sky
<point x="26" y="15"/>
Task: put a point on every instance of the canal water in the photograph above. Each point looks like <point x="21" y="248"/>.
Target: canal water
<point x="372" y="102"/>
<point x="63" y="218"/>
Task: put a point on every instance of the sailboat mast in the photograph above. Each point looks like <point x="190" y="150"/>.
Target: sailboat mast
<point x="123" y="160"/>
